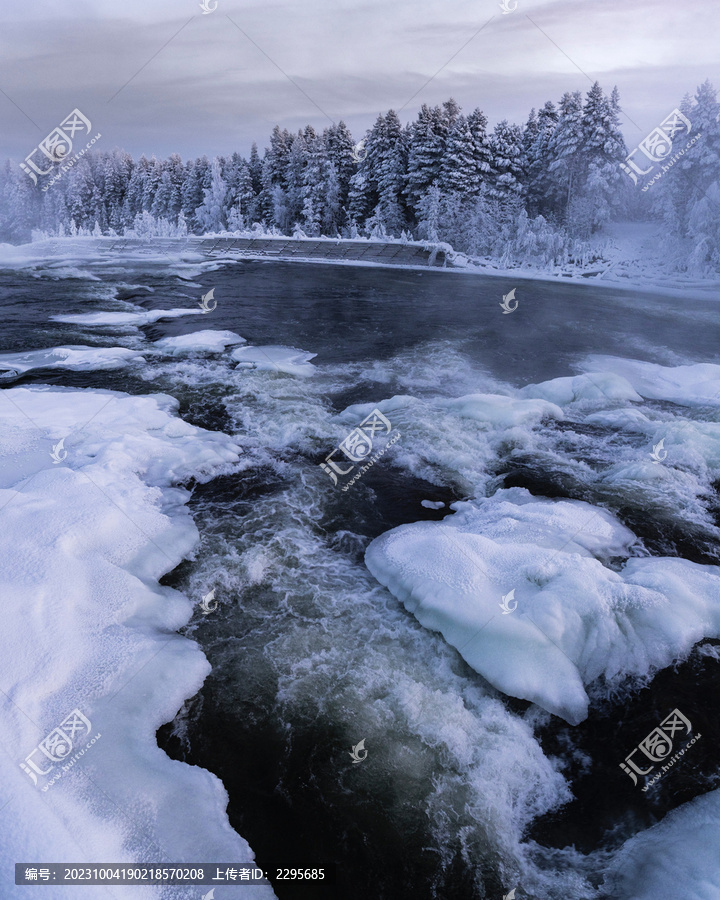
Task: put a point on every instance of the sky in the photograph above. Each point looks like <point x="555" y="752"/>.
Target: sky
<point x="161" y="76"/>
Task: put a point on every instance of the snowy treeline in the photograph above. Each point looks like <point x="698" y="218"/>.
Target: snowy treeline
<point x="534" y="192"/>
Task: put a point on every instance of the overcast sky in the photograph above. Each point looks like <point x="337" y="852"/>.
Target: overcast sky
<point x="195" y="83"/>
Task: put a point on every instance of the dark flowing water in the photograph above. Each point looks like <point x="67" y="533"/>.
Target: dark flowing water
<point x="309" y="654"/>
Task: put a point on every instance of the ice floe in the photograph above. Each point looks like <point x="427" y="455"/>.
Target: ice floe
<point x="207" y="341"/>
<point x="138" y="317"/>
<point x="275" y="358"/>
<point x="80" y="358"/>
<point x="576" y="617"/>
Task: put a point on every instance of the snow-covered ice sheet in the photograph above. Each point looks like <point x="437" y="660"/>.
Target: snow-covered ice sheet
<point x="275" y="358"/>
<point x="138" y="317"/>
<point x="207" y="341"/>
<point x="576" y="618"/>
<point x="78" y="357"/>
<point x="90" y="525"/>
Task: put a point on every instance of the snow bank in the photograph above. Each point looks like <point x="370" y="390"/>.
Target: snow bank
<point x="695" y="385"/>
<point x="275" y="358"/>
<point x="198" y="341"/>
<point x="91" y="522"/>
<point x="576" y="619"/>
<point x="83" y="359"/>
<point x="139" y="317"/>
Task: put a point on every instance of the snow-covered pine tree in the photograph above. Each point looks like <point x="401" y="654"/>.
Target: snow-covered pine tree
<point x="540" y="196"/>
<point x="152" y="183"/>
<point x="295" y="177"/>
<point x="425" y="153"/>
<point x="508" y="162"/>
<point x="197" y="180"/>
<point x="363" y="190"/>
<point x="603" y="150"/>
<point x="316" y="176"/>
<point x="210" y="215"/>
<point x="339" y="144"/>
<point x="390" y="155"/>
<point x="566" y="151"/>
<point x="272" y="203"/>
<point x="255" y="166"/>
<point x="79" y="193"/>
<point x="463" y="167"/>
<point x="133" y="202"/>
<point x="117" y="170"/>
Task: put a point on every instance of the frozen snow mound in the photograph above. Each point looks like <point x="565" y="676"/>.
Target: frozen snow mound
<point x="592" y="386"/>
<point x="94" y="516"/>
<point x="570" y="617"/>
<point x="356" y="413"/>
<point x="695" y="385"/>
<point x="206" y="341"/>
<point x="140" y="317"/>
<point x="275" y="358"/>
<point x="499" y="411"/>
<point x="74" y="356"/>
<point x="677" y="857"/>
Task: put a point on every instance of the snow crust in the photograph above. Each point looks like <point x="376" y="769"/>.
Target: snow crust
<point x="87" y="626"/>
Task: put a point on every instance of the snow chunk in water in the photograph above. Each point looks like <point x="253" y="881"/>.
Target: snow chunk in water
<point x="275" y="358"/>
<point x="682" y="850"/>
<point x="593" y="386"/>
<point x="694" y="385"/>
<point x="141" y="317"/>
<point x="503" y="412"/>
<point x="202" y="341"/>
<point x="575" y="620"/>
<point x="74" y="356"/>
<point x="358" y="412"/>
